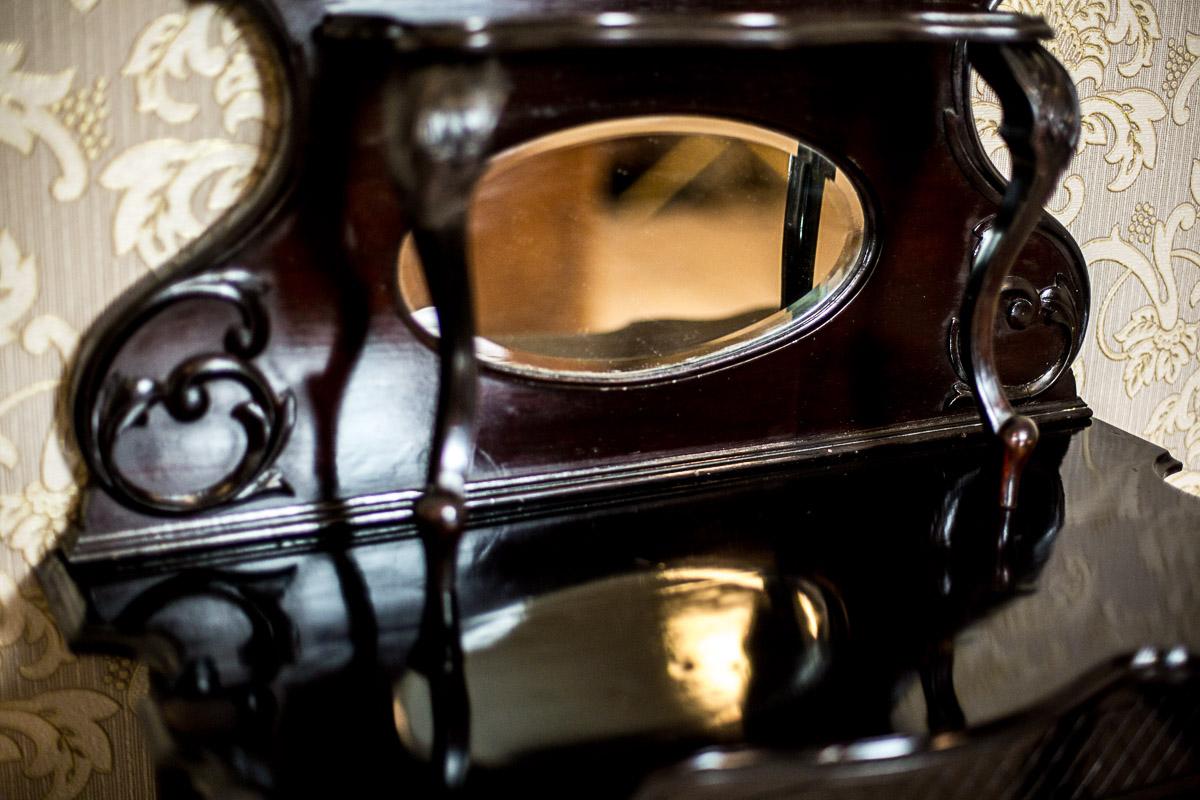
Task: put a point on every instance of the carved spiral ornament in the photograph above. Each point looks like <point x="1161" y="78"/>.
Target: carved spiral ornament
<point x="1024" y="306"/>
<point x="266" y="416"/>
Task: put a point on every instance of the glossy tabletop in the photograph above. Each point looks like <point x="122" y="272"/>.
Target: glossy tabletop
<point x="620" y="636"/>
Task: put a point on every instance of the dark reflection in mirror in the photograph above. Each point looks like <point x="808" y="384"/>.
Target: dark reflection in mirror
<point x="639" y="244"/>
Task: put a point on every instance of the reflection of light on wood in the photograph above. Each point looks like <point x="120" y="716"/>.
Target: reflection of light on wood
<point x="413" y="715"/>
<point x="732" y="577"/>
<point x="812" y="617"/>
<point x="708" y="661"/>
<point x="631" y="655"/>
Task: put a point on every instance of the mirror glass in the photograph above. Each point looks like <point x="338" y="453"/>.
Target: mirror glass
<point x="632" y="246"/>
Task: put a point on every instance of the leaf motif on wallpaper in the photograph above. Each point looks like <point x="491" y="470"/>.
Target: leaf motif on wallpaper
<point x="18" y="292"/>
<point x="26" y="616"/>
<point x="1183" y="70"/>
<point x="1074" y="190"/>
<point x="1157" y="342"/>
<point x="1080" y="41"/>
<point x="1177" y="414"/>
<point x="1130" y="116"/>
<point x="173" y="46"/>
<point x="178" y="45"/>
<point x="18" y="286"/>
<point x="27" y="102"/>
<point x="84" y="6"/>
<point x="1155" y="352"/>
<point x="31" y="521"/>
<point x="161" y="183"/>
<point x="1136" y="24"/>
<point x="47" y="332"/>
<point x="56" y="735"/>
<point x="239" y="92"/>
<point x="1120" y="120"/>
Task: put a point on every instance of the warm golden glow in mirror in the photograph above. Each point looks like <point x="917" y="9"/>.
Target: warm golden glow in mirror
<point x="637" y="244"/>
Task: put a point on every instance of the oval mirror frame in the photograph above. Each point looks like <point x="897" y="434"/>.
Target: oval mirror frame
<point x="773" y="330"/>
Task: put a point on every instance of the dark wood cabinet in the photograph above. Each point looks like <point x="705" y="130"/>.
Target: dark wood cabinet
<point x="858" y="540"/>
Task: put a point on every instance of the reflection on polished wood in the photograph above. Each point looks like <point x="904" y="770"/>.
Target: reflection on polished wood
<point x="797" y="610"/>
<point x="565" y="660"/>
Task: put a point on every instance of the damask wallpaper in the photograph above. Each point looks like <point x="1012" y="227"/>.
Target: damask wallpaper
<point x="128" y="126"/>
<point x="1130" y="198"/>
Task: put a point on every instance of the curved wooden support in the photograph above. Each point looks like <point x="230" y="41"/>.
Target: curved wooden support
<point x="444" y="117"/>
<point x="1041" y="127"/>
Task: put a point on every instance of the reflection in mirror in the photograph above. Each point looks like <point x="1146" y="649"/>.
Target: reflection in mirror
<point x="634" y="245"/>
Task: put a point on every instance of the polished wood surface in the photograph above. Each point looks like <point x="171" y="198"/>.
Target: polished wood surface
<point x="290" y="662"/>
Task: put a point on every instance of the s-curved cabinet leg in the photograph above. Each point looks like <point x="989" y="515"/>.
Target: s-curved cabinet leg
<point x="444" y="117"/>
<point x="1040" y="127"/>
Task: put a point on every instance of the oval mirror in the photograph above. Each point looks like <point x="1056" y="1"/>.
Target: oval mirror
<point x="640" y="245"/>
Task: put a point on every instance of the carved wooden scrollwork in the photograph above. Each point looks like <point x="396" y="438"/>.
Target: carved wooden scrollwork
<point x="1024" y="306"/>
<point x="266" y="417"/>
<point x="198" y="688"/>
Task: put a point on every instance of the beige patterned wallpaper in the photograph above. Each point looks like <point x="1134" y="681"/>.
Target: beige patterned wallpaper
<point x="1130" y="199"/>
<point x="127" y="126"/>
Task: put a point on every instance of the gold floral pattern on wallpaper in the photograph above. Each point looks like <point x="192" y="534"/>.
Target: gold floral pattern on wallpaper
<point x="1156" y="344"/>
<point x="1118" y="120"/>
<point x="1130" y="198"/>
<point x="57" y="735"/>
<point x="126" y="129"/>
<point x="29" y="106"/>
<point x="32" y="518"/>
<point x="25" y="616"/>
<point x="160" y="182"/>
<point x="177" y="46"/>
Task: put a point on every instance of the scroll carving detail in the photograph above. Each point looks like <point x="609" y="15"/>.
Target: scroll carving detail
<point x="266" y="416"/>
<point x="1024" y="306"/>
